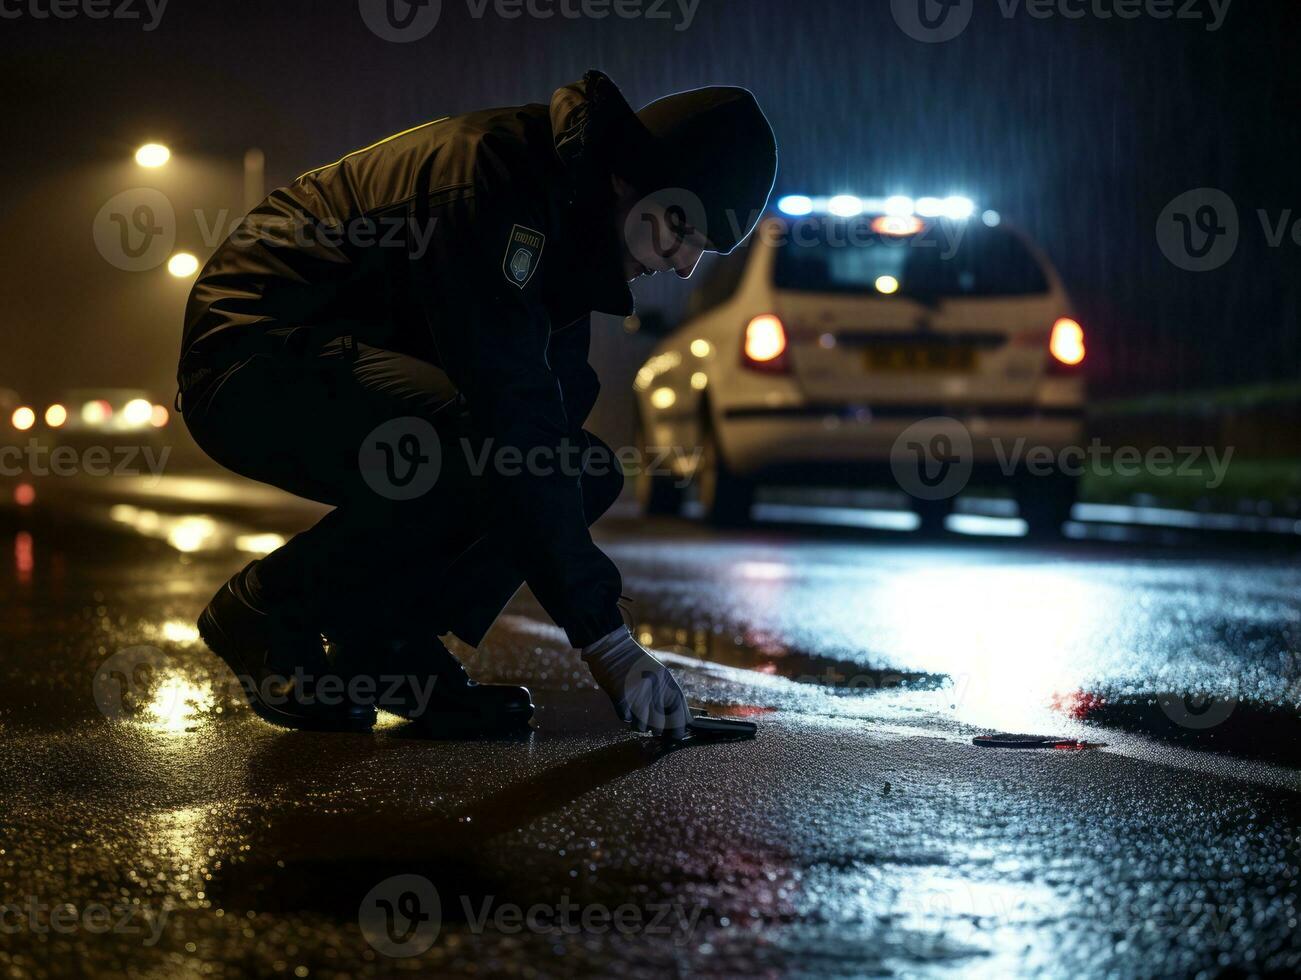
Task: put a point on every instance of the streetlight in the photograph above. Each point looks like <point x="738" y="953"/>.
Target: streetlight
<point x="153" y="155"/>
<point x="182" y="265"/>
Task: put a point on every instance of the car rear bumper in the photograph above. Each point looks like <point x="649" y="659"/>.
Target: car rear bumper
<point x="805" y="443"/>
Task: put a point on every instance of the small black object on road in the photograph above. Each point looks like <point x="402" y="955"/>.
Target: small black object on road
<point x="1007" y="740"/>
<point x="705" y="726"/>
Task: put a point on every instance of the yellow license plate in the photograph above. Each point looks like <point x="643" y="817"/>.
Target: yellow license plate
<point x="920" y="357"/>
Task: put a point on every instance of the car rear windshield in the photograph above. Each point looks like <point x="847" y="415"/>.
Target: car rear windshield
<point x="946" y="259"/>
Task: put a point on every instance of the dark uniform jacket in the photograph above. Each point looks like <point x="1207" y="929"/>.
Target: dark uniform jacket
<point x="476" y="243"/>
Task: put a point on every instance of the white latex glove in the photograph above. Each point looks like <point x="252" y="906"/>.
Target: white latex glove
<point x="643" y="691"/>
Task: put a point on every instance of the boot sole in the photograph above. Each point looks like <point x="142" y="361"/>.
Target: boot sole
<point x="221" y="644"/>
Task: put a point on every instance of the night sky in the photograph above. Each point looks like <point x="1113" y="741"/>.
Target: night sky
<point x="1080" y="131"/>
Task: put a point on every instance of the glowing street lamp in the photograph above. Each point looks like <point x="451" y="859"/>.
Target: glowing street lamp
<point x="153" y="155"/>
<point x="182" y="265"/>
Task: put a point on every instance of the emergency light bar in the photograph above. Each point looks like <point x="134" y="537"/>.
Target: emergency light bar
<point x="848" y="206"/>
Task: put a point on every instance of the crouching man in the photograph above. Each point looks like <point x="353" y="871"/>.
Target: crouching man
<point x="374" y="332"/>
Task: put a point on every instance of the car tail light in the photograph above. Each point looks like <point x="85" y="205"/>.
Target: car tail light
<point x="1066" y="343"/>
<point x="764" y="346"/>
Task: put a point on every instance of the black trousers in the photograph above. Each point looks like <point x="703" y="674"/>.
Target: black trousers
<point x="387" y="561"/>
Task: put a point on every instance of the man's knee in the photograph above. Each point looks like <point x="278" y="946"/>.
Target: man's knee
<point x="602" y="479"/>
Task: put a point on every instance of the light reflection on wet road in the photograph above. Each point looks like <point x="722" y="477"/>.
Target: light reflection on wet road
<point x="1009" y="628"/>
<point x="860" y="833"/>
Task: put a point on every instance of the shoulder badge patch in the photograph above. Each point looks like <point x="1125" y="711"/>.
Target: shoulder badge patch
<point x="523" y="253"/>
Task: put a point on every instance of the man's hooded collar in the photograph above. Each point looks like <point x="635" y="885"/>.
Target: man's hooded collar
<point x="590" y="122"/>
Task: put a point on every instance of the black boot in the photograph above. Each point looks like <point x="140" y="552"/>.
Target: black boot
<point x="421" y="680"/>
<point x="280" y="666"/>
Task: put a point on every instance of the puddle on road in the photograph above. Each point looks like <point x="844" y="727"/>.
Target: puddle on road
<point x="765" y="654"/>
<point x="189" y="533"/>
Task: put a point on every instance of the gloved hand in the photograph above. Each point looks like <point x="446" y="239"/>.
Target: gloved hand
<point x="643" y="691"/>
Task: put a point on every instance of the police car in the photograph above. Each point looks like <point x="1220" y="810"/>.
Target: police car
<point x="922" y="344"/>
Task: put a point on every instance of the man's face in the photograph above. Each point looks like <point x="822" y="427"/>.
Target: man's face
<point x="656" y="235"/>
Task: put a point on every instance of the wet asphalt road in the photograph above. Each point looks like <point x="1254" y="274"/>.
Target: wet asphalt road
<point x="860" y="833"/>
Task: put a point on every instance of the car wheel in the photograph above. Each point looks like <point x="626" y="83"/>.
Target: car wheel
<point x="1045" y="503"/>
<point x="657" y="493"/>
<point x="725" y="497"/>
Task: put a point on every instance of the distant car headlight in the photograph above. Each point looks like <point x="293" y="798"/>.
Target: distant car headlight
<point x="137" y="413"/>
<point x="23" y="418"/>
